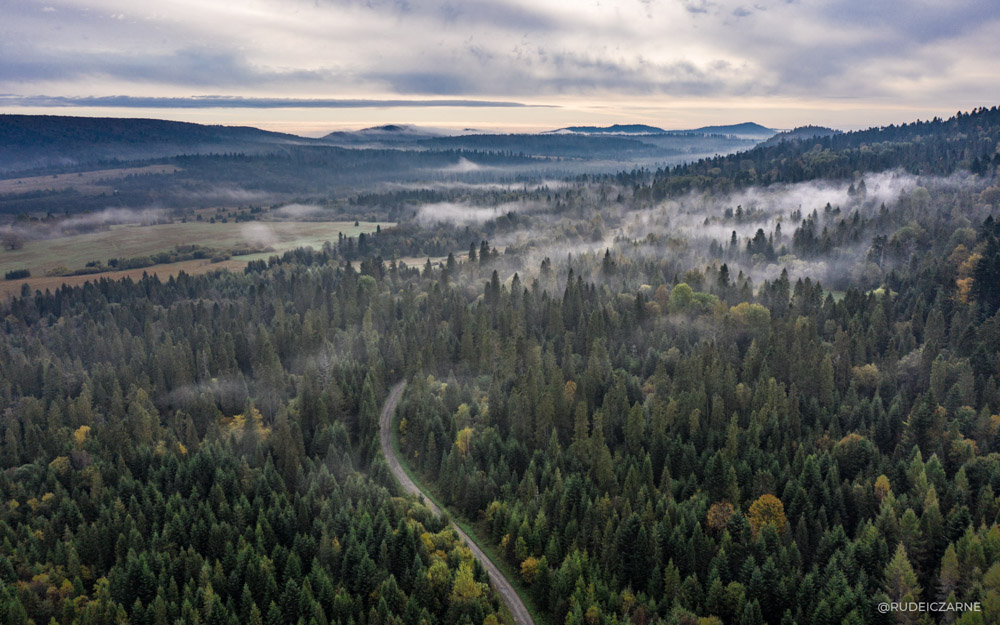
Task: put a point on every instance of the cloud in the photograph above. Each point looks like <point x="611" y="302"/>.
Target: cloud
<point x="85" y="222"/>
<point x="453" y="185"/>
<point x="697" y="6"/>
<point x="258" y="235"/>
<point x="198" y="102"/>
<point x="463" y="166"/>
<point x="359" y="53"/>
<point x="299" y="211"/>
<point x="540" y="70"/>
<point x="461" y="214"/>
<point x="700" y="220"/>
<point x="201" y="67"/>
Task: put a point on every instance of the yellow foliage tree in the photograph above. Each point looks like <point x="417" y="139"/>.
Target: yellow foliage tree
<point x="964" y="289"/>
<point x="753" y="317"/>
<point x="966" y="264"/>
<point x="866" y="376"/>
<point x="60" y="465"/>
<point x="529" y="568"/>
<point x="80" y="435"/>
<point x="767" y="510"/>
<point x="569" y="391"/>
<point x="466" y="588"/>
<point x="463" y="415"/>
<point x="882" y="487"/>
<point x="463" y="439"/>
<point x="438" y="577"/>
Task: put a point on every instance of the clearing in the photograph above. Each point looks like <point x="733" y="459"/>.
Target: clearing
<point x="132" y="241"/>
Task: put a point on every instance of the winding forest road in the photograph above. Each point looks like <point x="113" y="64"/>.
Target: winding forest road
<point x="500" y="583"/>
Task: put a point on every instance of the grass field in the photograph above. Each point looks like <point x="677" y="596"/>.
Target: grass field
<point x="87" y="183"/>
<point x="130" y="241"/>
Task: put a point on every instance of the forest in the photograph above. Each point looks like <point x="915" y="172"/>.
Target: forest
<point x="756" y="389"/>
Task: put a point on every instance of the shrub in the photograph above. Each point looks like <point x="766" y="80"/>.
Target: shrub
<point x="17" y="274"/>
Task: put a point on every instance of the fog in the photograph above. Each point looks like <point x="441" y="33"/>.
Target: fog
<point x="701" y="216"/>
<point x="299" y="211"/>
<point x="701" y="219"/>
<point x="86" y="222"/>
<point x="455" y="185"/>
<point x="258" y="235"/>
<point x="463" y="166"/>
<point x="226" y="195"/>
<point x="462" y="213"/>
<point x="693" y="231"/>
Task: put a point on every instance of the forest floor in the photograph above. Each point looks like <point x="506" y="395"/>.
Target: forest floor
<point x="502" y="585"/>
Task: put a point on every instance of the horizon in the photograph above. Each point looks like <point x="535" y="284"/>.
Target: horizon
<point x="320" y="128"/>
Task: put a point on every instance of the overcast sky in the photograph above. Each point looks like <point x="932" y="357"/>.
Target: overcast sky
<point x="312" y="65"/>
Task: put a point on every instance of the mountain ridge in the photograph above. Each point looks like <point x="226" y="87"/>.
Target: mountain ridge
<point x="32" y="141"/>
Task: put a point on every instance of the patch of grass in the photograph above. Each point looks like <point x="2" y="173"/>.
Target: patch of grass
<point x="467" y="526"/>
<point x="132" y="241"/>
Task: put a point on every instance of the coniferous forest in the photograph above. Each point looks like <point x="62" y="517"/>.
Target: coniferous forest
<point x="754" y="389"/>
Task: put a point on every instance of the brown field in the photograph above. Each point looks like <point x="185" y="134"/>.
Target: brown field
<point x="130" y="241"/>
<point x="87" y="183"/>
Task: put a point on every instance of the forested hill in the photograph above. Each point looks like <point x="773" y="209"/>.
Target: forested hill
<point x="939" y="147"/>
<point x="43" y="140"/>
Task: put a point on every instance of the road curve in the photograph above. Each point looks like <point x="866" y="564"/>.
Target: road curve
<point x="500" y="583"/>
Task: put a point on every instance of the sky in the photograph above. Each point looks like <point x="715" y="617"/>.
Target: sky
<point x="312" y="66"/>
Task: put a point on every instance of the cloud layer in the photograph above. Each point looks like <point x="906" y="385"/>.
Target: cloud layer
<point x="204" y="102"/>
<point x="339" y="52"/>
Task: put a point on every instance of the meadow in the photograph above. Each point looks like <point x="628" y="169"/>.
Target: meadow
<point x="132" y="240"/>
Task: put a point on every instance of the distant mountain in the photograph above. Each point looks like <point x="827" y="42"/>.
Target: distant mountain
<point x="801" y="133"/>
<point x="616" y="129"/>
<point x="746" y="129"/>
<point x="34" y="141"/>
<point x="48" y="143"/>
<point x="389" y="133"/>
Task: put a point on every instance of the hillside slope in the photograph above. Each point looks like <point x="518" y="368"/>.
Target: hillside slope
<point x="37" y="141"/>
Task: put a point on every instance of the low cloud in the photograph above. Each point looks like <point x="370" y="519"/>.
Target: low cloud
<point x="463" y="214"/>
<point x="463" y="166"/>
<point x="258" y="235"/>
<point x="299" y="211"/>
<point x="454" y="185"/>
<point x="87" y="222"/>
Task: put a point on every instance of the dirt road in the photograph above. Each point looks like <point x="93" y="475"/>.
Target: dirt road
<point x="500" y="583"/>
